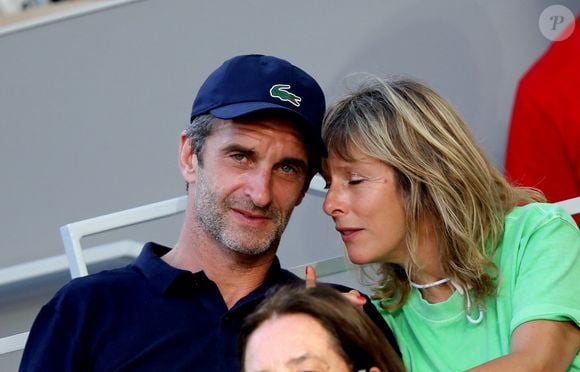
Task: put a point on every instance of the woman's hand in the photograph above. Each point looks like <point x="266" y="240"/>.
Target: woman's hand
<point x="353" y="295"/>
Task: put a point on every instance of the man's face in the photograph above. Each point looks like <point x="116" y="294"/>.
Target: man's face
<point x="252" y="176"/>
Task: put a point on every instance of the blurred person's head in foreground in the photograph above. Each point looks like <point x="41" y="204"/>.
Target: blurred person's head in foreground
<point x="318" y="329"/>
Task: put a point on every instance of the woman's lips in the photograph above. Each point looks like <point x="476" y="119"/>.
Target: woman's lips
<point x="348" y="233"/>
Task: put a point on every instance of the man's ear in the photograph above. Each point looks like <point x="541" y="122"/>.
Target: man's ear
<point x="187" y="159"/>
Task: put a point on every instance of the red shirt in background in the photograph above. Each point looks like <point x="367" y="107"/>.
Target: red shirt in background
<point x="544" y="140"/>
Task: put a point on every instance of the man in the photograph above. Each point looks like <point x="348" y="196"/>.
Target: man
<point x="247" y="158"/>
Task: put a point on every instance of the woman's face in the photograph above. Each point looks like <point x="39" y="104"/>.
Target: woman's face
<point x="367" y="207"/>
<point x="292" y="342"/>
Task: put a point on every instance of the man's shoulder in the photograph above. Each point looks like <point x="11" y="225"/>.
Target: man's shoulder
<point x="117" y="279"/>
<point x="105" y="282"/>
<point x="106" y="277"/>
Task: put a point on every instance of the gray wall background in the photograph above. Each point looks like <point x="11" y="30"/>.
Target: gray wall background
<point x="91" y="106"/>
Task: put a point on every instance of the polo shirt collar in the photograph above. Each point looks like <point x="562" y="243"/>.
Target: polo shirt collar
<point x="162" y="276"/>
<point x="158" y="273"/>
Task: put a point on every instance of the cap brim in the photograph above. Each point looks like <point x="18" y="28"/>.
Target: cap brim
<point x="237" y="110"/>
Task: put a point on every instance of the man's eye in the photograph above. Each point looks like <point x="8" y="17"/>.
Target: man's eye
<point x="238" y="157"/>
<point x="288" y="169"/>
<point x="355" y="181"/>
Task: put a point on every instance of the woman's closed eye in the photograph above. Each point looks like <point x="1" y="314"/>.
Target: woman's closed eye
<point x="352" y="181"/>
<point x="356" y="181"/>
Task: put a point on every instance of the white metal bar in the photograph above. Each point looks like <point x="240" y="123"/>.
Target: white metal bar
<point x="74" y="253"/>
<point x="73" y="232"/>
<point x="50" y="265"/>
<point x="13" y="343"/>
<point x="77" y="11"/>
<point x="324" y="267"/>
<point x="571" y="206"/>
<point x="317" y="186"/>
<point x="128" y="217"/>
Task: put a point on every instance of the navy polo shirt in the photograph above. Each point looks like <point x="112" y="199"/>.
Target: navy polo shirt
<point x="147" y="316"/>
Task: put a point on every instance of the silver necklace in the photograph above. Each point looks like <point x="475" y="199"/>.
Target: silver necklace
<point x="429" y="285"/>
<point x="458" y="289"/>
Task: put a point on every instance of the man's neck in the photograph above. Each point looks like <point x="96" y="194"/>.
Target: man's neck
<point x="235" y="275"/>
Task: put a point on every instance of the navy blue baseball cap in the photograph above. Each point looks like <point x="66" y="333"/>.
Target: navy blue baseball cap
<point x="247" y="84"/>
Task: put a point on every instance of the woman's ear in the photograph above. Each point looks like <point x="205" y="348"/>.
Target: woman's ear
<point x="187" y="158"/>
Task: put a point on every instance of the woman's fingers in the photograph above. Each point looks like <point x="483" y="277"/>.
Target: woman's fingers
<point x="353" y="295"/>
<point x="310" y="277"/>
<point x="356" y="298"/>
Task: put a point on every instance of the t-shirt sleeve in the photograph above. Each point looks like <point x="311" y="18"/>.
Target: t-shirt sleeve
<point x="547" y="278"/>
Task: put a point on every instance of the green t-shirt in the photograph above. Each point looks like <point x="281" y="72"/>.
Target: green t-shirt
<point x="539" y="261"/>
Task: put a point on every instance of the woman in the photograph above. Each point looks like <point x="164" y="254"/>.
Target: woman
<point x="473" y="272"/>
<point x="314" y="329"/>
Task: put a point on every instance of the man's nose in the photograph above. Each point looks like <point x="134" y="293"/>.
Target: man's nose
<point x="259" y="187"/>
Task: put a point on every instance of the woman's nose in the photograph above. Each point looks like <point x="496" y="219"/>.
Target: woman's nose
<point x="332" y="204"/>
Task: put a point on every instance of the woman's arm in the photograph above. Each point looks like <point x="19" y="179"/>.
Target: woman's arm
<point x="538" y="345"/>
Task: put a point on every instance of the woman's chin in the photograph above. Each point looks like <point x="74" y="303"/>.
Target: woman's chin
<point x="359" y="259"/>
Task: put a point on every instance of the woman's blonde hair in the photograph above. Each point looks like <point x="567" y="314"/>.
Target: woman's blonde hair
<point x="444" y="177"/>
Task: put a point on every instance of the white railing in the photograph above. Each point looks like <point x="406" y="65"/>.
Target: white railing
<point x="73" y="233"/>
<point x="571" y="206"/>
<point x="55" y="264"/>
<point x="76" y="258"/>
<point x="13" y="343"/>
<point x="80" y="9"/>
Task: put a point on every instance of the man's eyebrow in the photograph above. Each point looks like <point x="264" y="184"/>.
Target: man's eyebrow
<point x="235" y="147"/>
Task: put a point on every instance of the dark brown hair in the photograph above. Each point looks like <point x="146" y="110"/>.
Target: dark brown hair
<point x="357" y="339"/>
